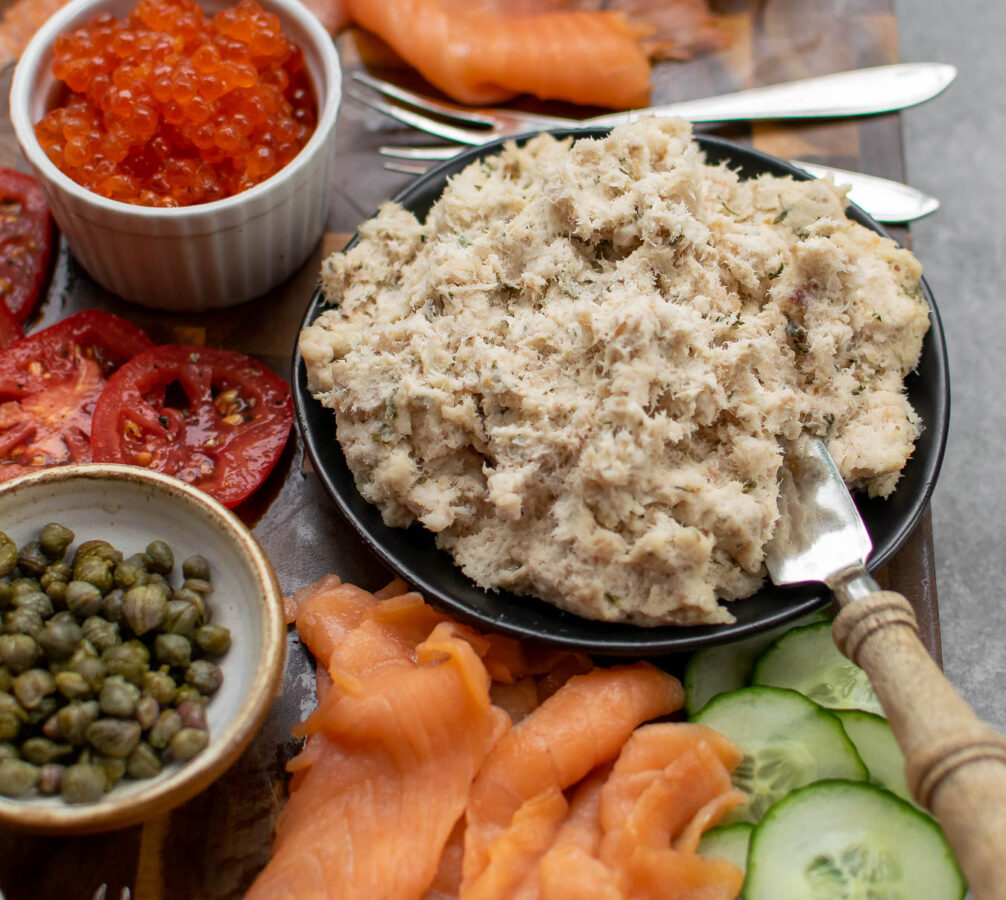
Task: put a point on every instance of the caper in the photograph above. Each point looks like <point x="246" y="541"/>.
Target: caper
<point x="143" y="762"/>
<point x="198" y="585"/>
<point x="187" y="743"/>
<point x="186" y="693"/>
<point x="214" y="640"/>
<point x="8" y="554"/>
<point x="113" y="767"/>
<point x="162" y="559"/>
<point x="20" y="586"/>
<point x="83" y="782"/>
<point x="17" y="777"/>
<point x="147" y="711"/>
<point x="54" y="584"/>
<point x="196" y="600"/>
<point x="50" y="778"/>
<point x="19" y="652"/>
<point x="131" y="660"/>
<point x="88" y="665"/>
<point x="145" y="607"/>
<point x="75" y="719"/>
<point x="94" y="569"/>
<point x="196" y="567"/>
<point x="32" y="686"/>
<point x="111" y="606"/>
<point x="60" y="636"/>
<point x="101" y="633"/>
<point x="73" y="685"/>
<point x="182" y="618"/>
<point x="82" y="598"/>
<point x="160" y="686"/>
<point x="9" y="751"/>
<point x="31" y="560"/>
<point x="50" y="727"/>
<point x="22" y="621"/>
<point x="40" y="751"/>
<point x="193" y="714"/>
<point x="6" y="678"/>
<point x="12" y="716"/>
<point x="35" y="601"/>
<point x="38" y="714"/>
<point x="173" y="650"/>
<point x="132" y="571"/>
<point x="113" y="737"/>
<point x="168" y="724"/>
<point x="99" y="549"/>
<point x="54" y="539"/>
<point x="204" y="676"/>
<point x="118" y="697"/>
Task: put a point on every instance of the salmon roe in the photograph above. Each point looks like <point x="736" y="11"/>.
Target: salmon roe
<point x="171" y="107"/>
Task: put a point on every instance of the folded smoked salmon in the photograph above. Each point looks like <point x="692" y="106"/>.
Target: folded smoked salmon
<point x="441" y="762"/>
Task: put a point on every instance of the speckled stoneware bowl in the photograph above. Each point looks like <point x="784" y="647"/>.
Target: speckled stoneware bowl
<point x="130" y="507"/>
<point x="197" y="257"/>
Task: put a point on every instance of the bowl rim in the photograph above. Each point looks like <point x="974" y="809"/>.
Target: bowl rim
<point x="26" y="75"/>
<point x="161" y="794"/>
<point x="317" y="427"/>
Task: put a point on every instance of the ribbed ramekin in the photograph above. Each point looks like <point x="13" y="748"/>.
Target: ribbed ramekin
<point x="198" y="257"/>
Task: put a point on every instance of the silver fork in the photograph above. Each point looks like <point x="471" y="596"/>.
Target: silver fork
<point x="855" y="93"/>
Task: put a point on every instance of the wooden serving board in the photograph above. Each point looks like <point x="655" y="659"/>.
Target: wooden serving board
<point x="213" y="846"/>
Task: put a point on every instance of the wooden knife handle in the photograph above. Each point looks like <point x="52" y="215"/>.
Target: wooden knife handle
<point x="955" y="763"/>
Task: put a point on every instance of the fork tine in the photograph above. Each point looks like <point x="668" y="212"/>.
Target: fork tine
<point x="448" y="110"/>
<point x="423" y="123"/>
<point x="406" y="168"/>
<point x="422" y="153"/>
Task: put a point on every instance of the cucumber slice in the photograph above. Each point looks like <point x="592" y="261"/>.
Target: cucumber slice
<point x="807" y="660"/>
<point x="788" y="741"/>
<point x="729" y="842"/>
<point x="837" y="840"/>
<point x="876" y="746"/>
<point x="726" y="667"/>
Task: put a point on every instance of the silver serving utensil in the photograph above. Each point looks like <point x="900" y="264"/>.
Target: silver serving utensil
<point x="955" y="763"/>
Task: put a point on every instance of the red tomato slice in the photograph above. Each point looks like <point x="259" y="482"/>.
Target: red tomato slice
<point x="10" y="328"/>
<point x="25" y="241"/>
<point x="49" y="384"/>
<point x="214" y="418"/>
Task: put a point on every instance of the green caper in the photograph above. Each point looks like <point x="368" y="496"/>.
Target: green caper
<point x="118" y="697"/>
<point x="194" y="599"/>
<point x="86" y="662"/>
<point x="6" y="678"/>
<point x="143" y="762"/>
<point x="9" y="751"/>
<point x="46" y="707"/>
<point x="101" y="633"/>
<point x="12" y="716"/>
<point x="203" y="588"/>
<point x="145" y="607"/>
<point x="94" y="569"/>
<point x="162" y="559"/>
<point x="19" y="652"/>
<point x="54" y="539"/>
<point x="147" y="711"/>
<point x="31" y="560"/>
<point x="161" y="686"/>
<point x="82" y="598"/>
<point x="186" y="693"/>
<point x="205" y="676"/>
<point x="50" y="727"/>
<point x="22" y="621"/>
<point x="187" y="743"/>
<point x="113" y="767"/>
<point x="214" y="640"/>
<point x="40" y="751"/>
<point x="196" y="567"/>
<point x="83" y="782"/>
<point x="182" y="618"/>
<point x="100" y="549"/>
<point x="8" y="555"/>
<point x="17" y="777"/>
<point x="60" y="636"/>
<point x="173" y="650"/>
<point x="111" y="606"/>
<point x="36" y="601"/>
<point x="193" y="713"/>
<point x="73" y="685"/>
<point x="50" y="778"/>
<point x="32" y="686"/>
<point x="168" y="724"/>
<point x="75" y="719"/>
<point x="54" y="585"/>
<point x="131" y="660"/>
<point x="132" y="571"/>
<point x="20" y="586"/>
<point x="113" y="737"/>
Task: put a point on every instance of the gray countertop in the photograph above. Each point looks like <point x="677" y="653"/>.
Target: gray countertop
<point x="954" y="150"/>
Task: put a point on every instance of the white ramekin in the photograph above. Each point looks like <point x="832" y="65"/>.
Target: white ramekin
<point x="198" y="257"/>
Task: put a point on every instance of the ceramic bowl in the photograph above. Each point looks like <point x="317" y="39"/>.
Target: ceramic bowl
<point x="130" y="507"/>
<point x="198" y="257"/>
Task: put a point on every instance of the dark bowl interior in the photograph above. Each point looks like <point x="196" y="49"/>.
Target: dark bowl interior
<point x="413" y="554"/>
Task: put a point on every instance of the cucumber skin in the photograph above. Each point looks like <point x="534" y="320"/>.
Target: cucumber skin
<point x="754" y="891"/>
<point x="731" y="837"/>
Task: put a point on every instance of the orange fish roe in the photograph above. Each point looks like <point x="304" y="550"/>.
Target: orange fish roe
<point x="171" y="107"/>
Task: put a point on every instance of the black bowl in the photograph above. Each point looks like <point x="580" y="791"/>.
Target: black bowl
<point x="412" y="551"/>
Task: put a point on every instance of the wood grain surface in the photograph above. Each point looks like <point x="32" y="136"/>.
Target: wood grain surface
<point x="213" y="846"/>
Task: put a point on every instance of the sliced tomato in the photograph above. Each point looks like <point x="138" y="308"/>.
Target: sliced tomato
<point x="214" y="418"/>
<point x="10" y="328"/>
<point x="49" y="384"/>
<point x="25" y="241"/>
